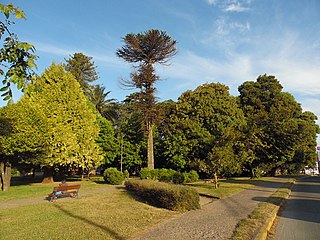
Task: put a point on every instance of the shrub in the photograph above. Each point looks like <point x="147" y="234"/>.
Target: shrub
<point x="113" y="176"/>
<point x="166" y="175"/>
<point x="193" y="176"/>
<point x="126" y="174"/>
<point x="154" y="174"/>
<point x="145" y="173"/>
<point x="170" y="196"/>
<point x="178" y="178"/>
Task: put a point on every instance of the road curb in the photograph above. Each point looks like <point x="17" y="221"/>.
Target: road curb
<point x="262" y="233"/>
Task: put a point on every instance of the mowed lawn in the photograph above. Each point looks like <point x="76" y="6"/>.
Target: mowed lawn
<point x="102" y="215"/>
<point x="101" y="212"/>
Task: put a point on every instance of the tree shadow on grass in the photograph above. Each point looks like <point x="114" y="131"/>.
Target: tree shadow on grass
<point x="114" y="234"/>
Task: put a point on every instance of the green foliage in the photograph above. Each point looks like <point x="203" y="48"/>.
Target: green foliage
<point x="71" y="125"/>
<point x="83" y="69"/>
<point x="145" y="173"/>
<point x="172" y="197"/>
<point x="166" y="175"/>
<point x="113" y="176"/>
<point x="126" y="174"/>
<point x="179" y="178"/>
<point x="278" y="132"/>
<point x="193" y="176"/>
<point x="106" y="140"/>
<point x="169" y="175"/>
<point x="204" y="131"/>
<point x="23" y="133"/>
<point x="16" y="58"/>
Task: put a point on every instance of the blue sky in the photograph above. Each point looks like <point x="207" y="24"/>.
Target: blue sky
<point x="226" y="41"/>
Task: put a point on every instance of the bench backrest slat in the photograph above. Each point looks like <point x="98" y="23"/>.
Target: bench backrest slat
<point x="65" y="188"/>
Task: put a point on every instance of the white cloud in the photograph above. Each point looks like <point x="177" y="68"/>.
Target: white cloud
<point x="195" y="70"/>
<point x="231" y="5"/>
<point x="236" y="8"/>
<point x="53" y="50"/>
<point x="212" y="2"/>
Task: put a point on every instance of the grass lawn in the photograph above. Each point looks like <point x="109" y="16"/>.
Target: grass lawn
<point x="107" y="215"/>
<point x="31" y="189"/>
<point x="227" y="187"/>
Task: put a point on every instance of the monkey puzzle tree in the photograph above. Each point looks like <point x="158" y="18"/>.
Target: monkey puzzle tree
<point x="145" y="50"/>
<point x="83" y="69"/>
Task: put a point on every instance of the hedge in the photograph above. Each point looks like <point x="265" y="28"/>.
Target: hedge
<point x="165" y="195"/>
<point x="169" y="175"/>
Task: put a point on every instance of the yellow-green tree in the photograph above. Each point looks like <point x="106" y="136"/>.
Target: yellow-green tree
<point x="23" y="138"/>
<point x="71" y="124"/>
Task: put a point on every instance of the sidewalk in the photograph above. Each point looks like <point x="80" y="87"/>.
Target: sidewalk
<point x="216" y="220"/>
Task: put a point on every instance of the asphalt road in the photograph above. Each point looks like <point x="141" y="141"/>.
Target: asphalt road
<point x="300" y="218"/>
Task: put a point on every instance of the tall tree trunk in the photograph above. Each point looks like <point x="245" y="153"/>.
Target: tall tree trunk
<point x="5" y="169"/>
<point x="47" y="175"/>
<point x="150" y="145"/>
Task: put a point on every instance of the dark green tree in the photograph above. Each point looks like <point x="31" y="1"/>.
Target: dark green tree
<point x="16" y="58"/>
<point x="274" y="125"/>
<point x="83" y="69"/>
<point x="204" y="131"/>
<point x="107" y="141"/>
<point x="145" y="50"/>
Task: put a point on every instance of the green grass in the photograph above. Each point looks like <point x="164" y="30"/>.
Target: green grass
<point x="247" y="228"/>
<point x="107" y="215"/>
<point x="30" y="189"/>
<point x="226" y="189"/>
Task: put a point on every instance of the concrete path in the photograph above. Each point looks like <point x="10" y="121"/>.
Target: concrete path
<point x="216" y="220"/>
<point x="300" y="218"/>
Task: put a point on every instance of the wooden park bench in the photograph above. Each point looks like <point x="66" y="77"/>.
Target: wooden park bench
<point x="64" y="191"/>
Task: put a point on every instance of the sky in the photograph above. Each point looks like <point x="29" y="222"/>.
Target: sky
<point x="226" y="41"/>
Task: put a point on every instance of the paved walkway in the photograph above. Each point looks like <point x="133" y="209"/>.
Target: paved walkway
<point x="216" y="220"/>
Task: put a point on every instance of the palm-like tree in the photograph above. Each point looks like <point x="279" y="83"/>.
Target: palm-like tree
<point x="98" y="98"/>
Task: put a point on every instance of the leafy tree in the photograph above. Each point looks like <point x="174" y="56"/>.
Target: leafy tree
<point x="83" y="69"/>
<point x="274" y="124"/>
<point x="72" y="126"/>
<point x="23" y="138"/>
<point x="147" y="49"/>
<point x="107" y="141"/>
<point x="204" y="131"/>
<point x="304" y="152"/>
<point x="16" y="58"/>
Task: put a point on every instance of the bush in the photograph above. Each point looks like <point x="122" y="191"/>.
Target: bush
<point x="145" y="173"/>
<point x="126" y="174"/>
<point x="113" y="176"/>
<point x="154" y="174"/>
<point x="166" y="175"/>
<point x="169" y="196"/>
<point x="193" y="176"/>
<point x="179" y="178"/>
